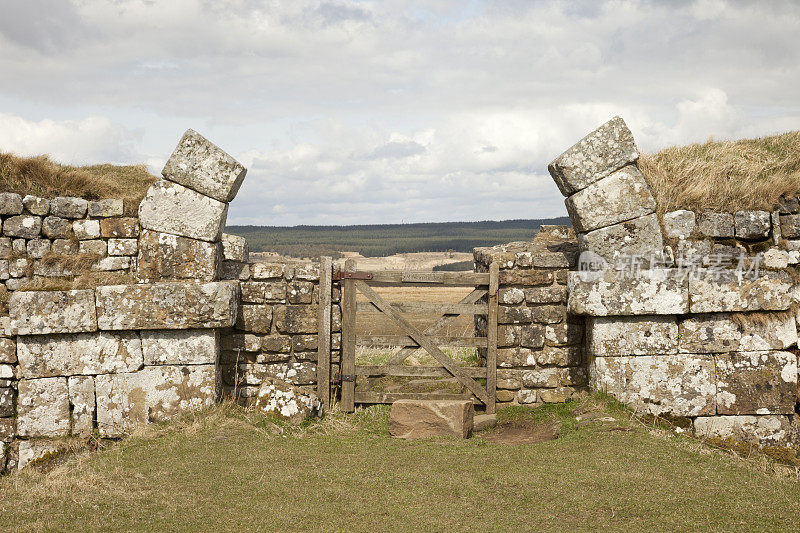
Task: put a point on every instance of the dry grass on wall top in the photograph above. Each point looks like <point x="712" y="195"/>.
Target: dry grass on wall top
<point x="43" y="177"/>
<point x="725" y="176"/>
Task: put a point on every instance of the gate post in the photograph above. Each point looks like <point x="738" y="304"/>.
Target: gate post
<point x="491" y="337"/>
<point x="348" y="366"/>
<point x="324" y="332"/>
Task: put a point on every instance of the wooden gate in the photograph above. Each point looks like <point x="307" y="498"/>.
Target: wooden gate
<point x="481" y="301"/>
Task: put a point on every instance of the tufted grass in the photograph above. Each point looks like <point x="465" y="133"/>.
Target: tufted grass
<point x="228" y="470"/>
<point x="725" y="176"/>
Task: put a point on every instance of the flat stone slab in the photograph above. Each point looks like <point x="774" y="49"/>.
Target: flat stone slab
<point x="43" y="408"/>
<point x="641" y="335"/>
<point x="163" y="256"/>
<point x="621" y="196"/>
<point x="44" y="312"/>
<point x="597" y="155"/>
<point x="167" y="305"/>
<point x="615" y="293"/>
<point x="723" y="291"/>
<point x="621" y="244"/>
<point x="153" y="394"/>
<point x="678" y="385"/>
<point x="481" y="422"/>
<point x="180" y="347"/>
<point x="78" y="354"/>
<point x="765" y="430"/>
<point x="202" y="166"/>
<point x="756" y="383"/>
<point x="172" y="208"/>
<point x="415" y="419"/>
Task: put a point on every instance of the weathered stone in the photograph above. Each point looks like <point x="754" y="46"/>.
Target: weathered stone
<point x="57" y="228"/>
<point x="750" y="383"/>
<point x="775" y="258"/>
<point x="708" y="334"/>
<point x="23" y="226"/>
<point x="679" y="385"/>
<point x="8" y="429"/>
<point x="202" y="166"/>
<point x="110" y="264"/>
<point x="564" y="356"/>
<point x="557" y="395"/>
<point x="790" y="226"/>
<point x="167" y="306"/>
<point x="717" y="225"/>
<point x="172" y="208"/>
<point x="65" y="246"/>
<point x="597" y="155"/>
<point x="541" y="377"/>
<point x="234" y="270"/>
<point x="725" y="332"/>
<point x="107" y="207"/>
<point x="515" y="357"/>
<point x="7" y="372"/>
<point x="268" y="270"/>
<point x="38" y="248"/>
<point x="298" y="373"/>
<point x="621" y="196"/>
<point x="638" y="238"/>
<point x="171" y="257"/>
<point x="31" y="451"/>
<point x="563" y="334"/>
<point x="126" y="247"/>
<point x="276" y="397"/>
<point x="307" y="272"/>
<point x="640" y="335"/>
<point x="38" y="313"/>
<point x="36" y="205"/>
<point x="507" y="335"/>
<point x="548" y="314"/>
<point x="19" y="246"/>
<point x="525" y="277"/>
<point x="523" y="396"/>
<point x="82" y="400"/>
<point x="93" y="246"/>
<point x="788" y="205"/>
<point x="68" y="207"/>
<point x="752" y="224"/>
<point x="513" y="315"/>
<point x="10" y="203"/>
<point x="296" y="318"/>
<point x="414" y="419"/>
<point x="258" y="292"/>
<point x="120" y="228"/>
<point x="18" y="268"/>
<point x="679" y="224"/>
<point x="510" y="295"/>
<point x="725" y="290"/>
<point x="530" y="335"/>
<point x="763" y="430"/>
<point x="554" y="294"/>
<point x="6" y="402"/>
<point x="78" y="354"/>
<point x="43" y="408"/>
<point x="563" y="259"/>
<point x="184" y="347"/>
<point x="234" y="248"/>
<point x="86" y="229"/>
<point x="8" y="351"/>
<point x="5" y="248"/>
<point x="155" y="393"/>
<point x="238" y="341"/>
<point x="655" y="292"/>
<point x="300" y="292"/>
<point x="576" y="376"/>
<point x="255" y="318"/>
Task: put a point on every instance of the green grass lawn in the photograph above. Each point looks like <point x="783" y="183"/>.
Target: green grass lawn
<point x="227" y="470"/>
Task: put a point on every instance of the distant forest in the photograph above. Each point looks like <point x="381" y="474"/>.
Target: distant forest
<point x="379" y="240"/>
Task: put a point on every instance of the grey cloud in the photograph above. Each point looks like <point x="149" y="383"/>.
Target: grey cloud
<point x="396" y="150"/>
<point x="46" y="26"/>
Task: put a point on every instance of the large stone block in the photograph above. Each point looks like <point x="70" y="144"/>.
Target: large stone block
<point x="293" y="319"/>
<point x="200" y="165"/>
<point x="732" y="332"/>
<point x="718" y="225"/>
<point x="82" y="400"/>
<point x="678" y="385"/>
<point x="43" y="312"/>
<point x="234" y="248"/>
<point x="22" y="226"/>
<point x="68" y="207"/>
<point x="78" y="354"/>
<point x="766" y="430"/>
<point x="621" y="196"/>
<point x="615" y="293"/>
<point x="182" y="347"/>
<point x="414" y="419"/>
<point x="43" y="408"/>
<point x="621" y="244"/>
<point x="597" y="155"/>
<point x="153" y="394"/>
<point x="641" y="335"/>
<point x="163" y="256"/>
<point x="725" y="290"/>
<point x="756" y="383"/>
<point x="752" y="224"/>
<point x="172" y="208"/>
<point x="167" y="305"/>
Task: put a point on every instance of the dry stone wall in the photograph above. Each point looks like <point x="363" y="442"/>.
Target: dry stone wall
<point x="690" y="316"/>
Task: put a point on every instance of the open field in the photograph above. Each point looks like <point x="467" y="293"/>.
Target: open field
<point x="228" y="470"/>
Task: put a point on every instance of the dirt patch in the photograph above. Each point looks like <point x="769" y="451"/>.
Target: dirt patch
<point x="522" y="432"/>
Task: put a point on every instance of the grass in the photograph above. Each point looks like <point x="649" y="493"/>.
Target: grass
<point x="43" y="177"/>
<point x="725" y="176"/>
<point x="228" y="470"/>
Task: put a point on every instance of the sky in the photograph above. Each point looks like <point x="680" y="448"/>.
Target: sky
<point x="370" y="112"/>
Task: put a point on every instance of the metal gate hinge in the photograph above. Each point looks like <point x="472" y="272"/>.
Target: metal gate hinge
<point x="338" y="378"/>
<point x="340" y="275"/>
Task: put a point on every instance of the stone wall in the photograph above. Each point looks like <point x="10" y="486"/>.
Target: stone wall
<point x="689" y="315"/>
<point x="539" y="352"/>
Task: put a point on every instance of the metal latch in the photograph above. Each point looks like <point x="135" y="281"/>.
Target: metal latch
<point x="340" y="275"/>
<point x="338" y="378"/>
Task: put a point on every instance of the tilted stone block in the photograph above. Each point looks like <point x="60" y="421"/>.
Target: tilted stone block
<point x="597" y="155"/>
<point x="750" y="383"/>
<point x="167" y="305"/>
<point x="82" y="400"/>
<point x="78" y="354"/>
<point x="181" y="347"/>
<point x="413" y="419"/>
<point x="155" y="393"/>
<point x="163" y="256"/>
<point x="526" y="277"/>
<point x="111" y="264"/>
<point x="752" y="224"/>
<point x="641" y="335"/>
<point x="8" y="351"/>
<point x="107" y="207"/>
<point x="297" y="373"/>
<point x="172" y="208"/>
<point x="234" y="270"/>
<point x="621" y="196"/>
<point x="620" y="244"/>
<point x="658" y="292"/>
<point x="10" y="203"/>
<point x="725" y="290"/>
<point x="23" y="226"/>
<point x="775" y="430"/>
<point x="67" y="207"/>
<point x="775" y="258"/>
<point x="200" y="165"/>
<point x="43" y="408"/>
<point x="718" y="225"/>
<point x="234" y="248"/>
<point x="43" y="312"/>
<point x="679" y="224"/>
<point x="678" y="385"/>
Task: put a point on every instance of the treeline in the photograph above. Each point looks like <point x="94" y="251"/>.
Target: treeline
<point x="387" y="239"/>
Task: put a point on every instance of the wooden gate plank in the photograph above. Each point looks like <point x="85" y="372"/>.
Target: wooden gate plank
<point x="422" y="340"/>
<point x="416" y="371"/>
<point x="491" y="334"/>
<point x="426" y="307"/>
<point x="391" y="397"/>
<point x="348" y="364"/>
<point x="405" y="341"/>
<point x="324" y="330"/>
